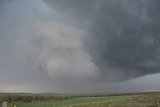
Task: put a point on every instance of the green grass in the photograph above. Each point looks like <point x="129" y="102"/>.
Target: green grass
<point x="69" y="102"/>
<point x="138" y="100"/>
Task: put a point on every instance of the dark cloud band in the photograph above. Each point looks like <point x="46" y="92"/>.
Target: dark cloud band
<point x="123" y="35"/>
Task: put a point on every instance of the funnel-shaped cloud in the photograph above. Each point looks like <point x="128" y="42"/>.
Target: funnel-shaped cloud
<point x="58" y="50"/>
<point x="79" y="45"/>
<point x="123" y="36"/>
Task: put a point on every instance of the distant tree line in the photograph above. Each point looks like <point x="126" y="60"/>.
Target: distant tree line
<point x="32" y="98"/>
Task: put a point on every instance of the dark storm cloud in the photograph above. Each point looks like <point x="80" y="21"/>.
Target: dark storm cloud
<point x="39" y="50"/>
<point x="79" y="9"/>
<point x="124" y="35"/>
<point x="79" y="45"/>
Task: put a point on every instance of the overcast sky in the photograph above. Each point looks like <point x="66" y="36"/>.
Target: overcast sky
<point x="79" y="45"/>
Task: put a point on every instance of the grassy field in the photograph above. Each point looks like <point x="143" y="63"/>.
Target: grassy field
<point x="137" y="100"/>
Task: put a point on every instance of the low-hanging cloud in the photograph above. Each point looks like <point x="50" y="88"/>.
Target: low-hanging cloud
<point x="46" y="44"/>
<point x="123" y="36"/>
<point x="79" y="45"/>
<point x="58" y="50"/>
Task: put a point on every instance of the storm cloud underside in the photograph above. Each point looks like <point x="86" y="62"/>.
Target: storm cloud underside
<point x="123" y="36"/>
<point x="79" y="45"/>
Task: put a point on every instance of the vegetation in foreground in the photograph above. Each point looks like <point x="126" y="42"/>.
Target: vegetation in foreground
<point x="82" y="100"/>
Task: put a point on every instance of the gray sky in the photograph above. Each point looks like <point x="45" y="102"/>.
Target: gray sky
<point x="79" y="45"/>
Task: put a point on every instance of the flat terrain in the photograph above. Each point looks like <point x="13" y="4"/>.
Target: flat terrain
<point x="126" y="100"/>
